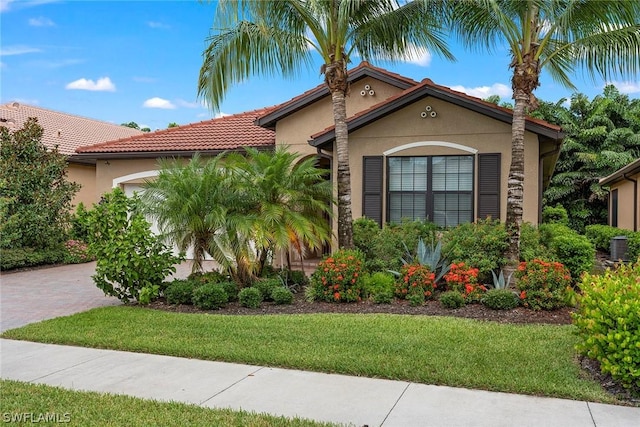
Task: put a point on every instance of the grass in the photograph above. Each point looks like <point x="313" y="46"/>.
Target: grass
<point x="527" y="359"/>
<point x="42" y="402"/>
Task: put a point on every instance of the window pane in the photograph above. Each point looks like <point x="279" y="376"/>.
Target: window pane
<point x="466" y="164"/>
<point x="420" y="182"/>
<point x="452" y="164"/>
<point x="452" y="182"/>
<point x="465" y="182"/>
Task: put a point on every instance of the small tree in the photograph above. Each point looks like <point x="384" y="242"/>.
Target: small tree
<point x="35" y="196"/>
<point x="129" y="257"/>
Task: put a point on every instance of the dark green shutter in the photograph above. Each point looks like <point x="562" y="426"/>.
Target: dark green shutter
<point x="489" y="185"/>
<point x="372" y="188"/>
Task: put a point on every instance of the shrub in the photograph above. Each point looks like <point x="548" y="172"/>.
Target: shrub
<point x="282" y="296"/>
<point x="429" y="256"/>
<point x="213" y="276"/>
<point x="148" y="294"/>
<point x="231" y="288"/>
<point x="481" y="244"/>
<point x="555" y="215"/>
<point x="80" y="224"/>
<point x="28" y="257"/>
<point x="608" y="322"/>
<point x="338" y="277"/>
<point x="293" y="278"/>
<point x="266" y="287"/>
<point x="129" y="257"/>
<point x="77" y="252"/>
<point x="542" y="284"/>
<point x="500" y="299"/>
<point x="415" y="279"/>
<point x="180" y="291"/>
<point x="452" y="299"/>
<point x="531" y="246"/>
<point x="379" y="287"/>
<point x="601" y="235"/>
<point x="250" y="298"/>
<point x="464" y="280"/>
<point x="209" y="297"/>
<point x="568" y="247"/>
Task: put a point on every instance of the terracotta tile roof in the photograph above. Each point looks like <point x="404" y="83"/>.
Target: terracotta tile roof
<point x="427" y="87"/>
<point x="66" y="131"/>
<point x="224" y="133"/>
<point x="296" y="103"/>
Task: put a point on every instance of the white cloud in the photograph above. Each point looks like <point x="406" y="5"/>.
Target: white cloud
<point x="421" y="57"/>
<point x="221" y="114"/>
<point x="158" y="103"/>
<point x="627" y="87"/>
<point x="4" y="5"/>
<point x="41" y="22"/>
<point x="104" y="84"/>
<point x="17" y="50"/>
<point x="153" y="24"/>
<point x="500" y="89"/>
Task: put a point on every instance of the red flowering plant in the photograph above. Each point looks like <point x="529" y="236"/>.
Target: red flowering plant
<point x="463" y="279"/>
<point x="542" y="284"/>
<point x="416" y="283"/>
<point x="338" y="277"/>
<point x="77" y="252"/>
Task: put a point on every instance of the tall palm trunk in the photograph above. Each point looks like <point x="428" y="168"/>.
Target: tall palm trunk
<point x="336" y="79"/>
<point x="525" y="79"/>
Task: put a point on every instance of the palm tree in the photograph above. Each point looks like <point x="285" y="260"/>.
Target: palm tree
<point x="601" y="37"/>
<point x="274" y="36"/>
<point x="190" y="204"/>
<point x="287" y="201"/>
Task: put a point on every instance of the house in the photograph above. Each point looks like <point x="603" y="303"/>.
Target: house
<point x="624" y="196"/>
<point x="417" y="149"/>
<point x="67" y="132"/>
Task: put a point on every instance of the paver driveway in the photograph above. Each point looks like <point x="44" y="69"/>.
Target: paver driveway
<point x="45" y="293"/>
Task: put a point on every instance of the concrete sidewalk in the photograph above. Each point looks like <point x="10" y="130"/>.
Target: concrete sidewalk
<point x="323" y="397"/>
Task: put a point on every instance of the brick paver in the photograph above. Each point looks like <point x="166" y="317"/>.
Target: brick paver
<point x="34" y="295"/>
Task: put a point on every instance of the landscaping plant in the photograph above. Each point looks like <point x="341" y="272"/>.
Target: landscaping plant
<point x="338" y="277"/>
<point x="416" y="283"/>
<point x="608" y="323"/>
<point x="464" y="280"/>
<point x="211" y="296"/>
<point x="568" y="247"/>
<point x="282" y="295"/>
<point x="379" y="287"/>
<point x="542" y="284"/>
<point x="250" y="297"/>
<point x="500" y="299"/>
<point x="180" y="291"/>
<point x="452" y="299"/>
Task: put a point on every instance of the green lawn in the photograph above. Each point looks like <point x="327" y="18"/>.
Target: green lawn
<point x="65" y="407"/>
<point x="528" y="359"/>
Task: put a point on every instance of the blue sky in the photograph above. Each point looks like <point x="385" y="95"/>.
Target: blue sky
<point x="122" y="61"/>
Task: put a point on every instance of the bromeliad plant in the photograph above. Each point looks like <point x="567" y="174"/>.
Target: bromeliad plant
<point x="338" y="277"/>
<point x="542" y="284"/>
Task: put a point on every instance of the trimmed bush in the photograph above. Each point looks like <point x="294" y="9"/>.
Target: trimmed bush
<point x="209" y="297"/>
<point x="338" y="277"/>
<point x="542" y="284"/>
<point x="500" y="299"/>
<point x="231" y="288"/>
<point x="415" y="279"/>
<point x="555" y="215"/>
<point x="267" y="286"/>
<point x="452" y="299"/>
<point x="250" y="298"/>
<point x="27" y="257"/>
<point x="379" y="287"/>
<point x="180" y="291"/>
<point x="601" y="235"/>
<point x="608" y="322"/>
<point x="531" y="246"/>
<point x="282" y="296"/>
<point x="208" y="277"/>
<point x="481" y="244"/>
<point x="568" y="247"/>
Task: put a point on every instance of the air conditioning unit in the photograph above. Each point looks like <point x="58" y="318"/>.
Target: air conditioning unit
<point x="620" y="249"/>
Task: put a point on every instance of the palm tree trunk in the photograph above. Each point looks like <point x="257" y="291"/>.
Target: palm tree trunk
<point x="345" y="216"/>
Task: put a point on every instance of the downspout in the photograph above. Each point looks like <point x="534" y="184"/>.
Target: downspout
<point x="635" y="200"/>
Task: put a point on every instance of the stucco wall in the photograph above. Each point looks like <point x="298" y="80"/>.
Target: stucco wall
<point x="453" y="124"/>
<point x="626" y="207"/>
<point x="85" y="175"/>
<point x="296" y="129"/>
<point x="108" y="170"/>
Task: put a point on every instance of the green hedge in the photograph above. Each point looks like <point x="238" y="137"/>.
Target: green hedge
<point x="601" y="235"/>
<point x="11" y="259"/>
<point x="573" y="250"/>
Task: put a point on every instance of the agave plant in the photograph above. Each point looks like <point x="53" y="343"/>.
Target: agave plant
<point x="499" y="281"/>
<point x="430" y="256"/>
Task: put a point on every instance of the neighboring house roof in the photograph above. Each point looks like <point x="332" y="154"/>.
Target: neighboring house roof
<point x="364" y="69"/>
<point x="425" y="89"/>
<point x="225" y="133"/>
<point x="621" y="174"/>
<point x="66" y="131"/>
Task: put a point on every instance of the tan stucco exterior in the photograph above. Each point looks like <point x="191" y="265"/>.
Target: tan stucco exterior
<point x="85" y="175"/>
<point x="627" y="203"/>
<point x="452" y="125"/>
